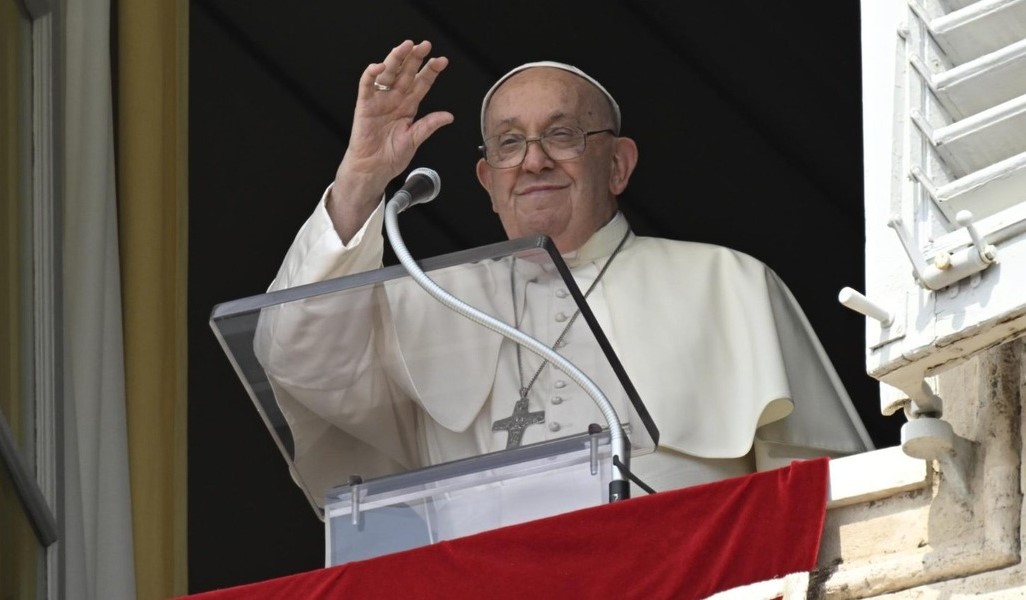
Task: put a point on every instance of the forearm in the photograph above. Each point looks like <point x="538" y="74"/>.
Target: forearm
<point x="352" y="199"/>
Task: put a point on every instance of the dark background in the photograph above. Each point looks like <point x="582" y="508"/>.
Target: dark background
<point x="748" y="119"/>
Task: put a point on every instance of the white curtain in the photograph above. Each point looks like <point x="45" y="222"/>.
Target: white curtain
<point x="98" y="547"/>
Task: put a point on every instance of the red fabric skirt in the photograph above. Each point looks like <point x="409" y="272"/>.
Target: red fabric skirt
<point x="681" y="544"/>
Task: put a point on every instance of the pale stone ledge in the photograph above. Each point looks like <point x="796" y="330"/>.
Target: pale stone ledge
<point x="874" y="475"/>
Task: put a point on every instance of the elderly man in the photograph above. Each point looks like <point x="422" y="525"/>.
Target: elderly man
<point x="716" y="346"/>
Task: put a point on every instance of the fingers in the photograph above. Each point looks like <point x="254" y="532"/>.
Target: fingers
<point x="386" y="131"/>
<point x="426" y="126"/>
<point x="411" y="65"/>
<point x="389" y="71"/>
<point x="425" y="78"/>
<point x="402" y="68"/>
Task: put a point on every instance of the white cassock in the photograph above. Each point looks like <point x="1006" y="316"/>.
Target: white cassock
<point x="715" y="344"/>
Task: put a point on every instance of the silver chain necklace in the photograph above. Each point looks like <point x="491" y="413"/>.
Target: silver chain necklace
<point x="521" y="418"/>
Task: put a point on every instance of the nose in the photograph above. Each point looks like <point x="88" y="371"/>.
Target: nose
<point x="535" y="157"/>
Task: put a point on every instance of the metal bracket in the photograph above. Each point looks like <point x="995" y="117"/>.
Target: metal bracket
<point x="930" y="438"/>
<point x="926" y="436"/>
<point x="947" y="268"/>
<point x="355" y="488"/>
<point x="594" y="429"/>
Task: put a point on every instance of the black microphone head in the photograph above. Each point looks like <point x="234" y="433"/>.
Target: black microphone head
<point x="423" y="185"/>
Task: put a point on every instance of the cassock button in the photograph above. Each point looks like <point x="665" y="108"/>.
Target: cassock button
<point x="561" y="343"/>
<point x="561" y="293"/>
<point x="560" y="384"/>
<point x="561" y="316"/>
<point x="557" y="400"/>
<point x="554" y="427"/>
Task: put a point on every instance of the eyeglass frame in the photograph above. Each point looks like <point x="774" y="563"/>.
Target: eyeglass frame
<point x="483" y="148"/>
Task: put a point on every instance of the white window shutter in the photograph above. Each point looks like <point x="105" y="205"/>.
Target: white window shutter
<point x="944" y="129"/>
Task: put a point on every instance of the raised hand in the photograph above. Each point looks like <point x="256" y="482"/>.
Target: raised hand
<point x="386" y="132"/>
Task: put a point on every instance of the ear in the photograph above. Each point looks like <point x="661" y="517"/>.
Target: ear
<point x="625" y="158"/>
<point x="484" y="177"/>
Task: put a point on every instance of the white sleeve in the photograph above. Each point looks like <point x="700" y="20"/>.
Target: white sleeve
<point x="317" y="253"/>
<point x="327" y="360"/>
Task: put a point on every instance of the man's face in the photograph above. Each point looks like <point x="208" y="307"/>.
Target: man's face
<point x="568" y="200"/>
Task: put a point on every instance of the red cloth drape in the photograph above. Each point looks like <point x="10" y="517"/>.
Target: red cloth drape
<point x="681" y="544"/>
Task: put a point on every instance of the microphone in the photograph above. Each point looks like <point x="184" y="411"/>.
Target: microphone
<point x="422" y="185"/>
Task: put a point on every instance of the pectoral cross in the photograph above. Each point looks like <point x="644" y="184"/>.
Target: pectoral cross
<point x="516" y="423"/>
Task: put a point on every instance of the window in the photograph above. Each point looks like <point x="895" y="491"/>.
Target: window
<point x="944" y="96"/>
<point x="28" y="377"/>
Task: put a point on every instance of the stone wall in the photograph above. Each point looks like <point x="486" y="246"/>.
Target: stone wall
<point x="939" y="540"/>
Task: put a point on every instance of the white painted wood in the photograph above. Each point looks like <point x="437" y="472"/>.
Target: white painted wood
<point x="981" y="140"/>
<point x="928" y="166"/>
<point x="985" y="192"/>
<point x="978" y="84"/>
<point x="948" y="6"/>
<point x="976" y="29"/>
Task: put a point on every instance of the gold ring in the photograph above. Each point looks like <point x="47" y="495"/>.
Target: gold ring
<point x="381" y="87"/>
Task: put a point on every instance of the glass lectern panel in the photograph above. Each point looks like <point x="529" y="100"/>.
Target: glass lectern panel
<point x="464" y="497"/>
<point x="367" y="376"/>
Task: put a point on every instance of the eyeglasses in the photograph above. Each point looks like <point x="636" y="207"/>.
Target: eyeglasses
<point x="507" y="150"/>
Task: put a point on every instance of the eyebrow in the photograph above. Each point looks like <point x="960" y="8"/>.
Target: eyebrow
<point x="554" y="117"/>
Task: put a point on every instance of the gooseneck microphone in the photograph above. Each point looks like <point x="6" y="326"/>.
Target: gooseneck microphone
<point x="422" y="185"/>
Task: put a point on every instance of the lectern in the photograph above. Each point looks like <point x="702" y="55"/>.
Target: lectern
<point x="404" y="423"/>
